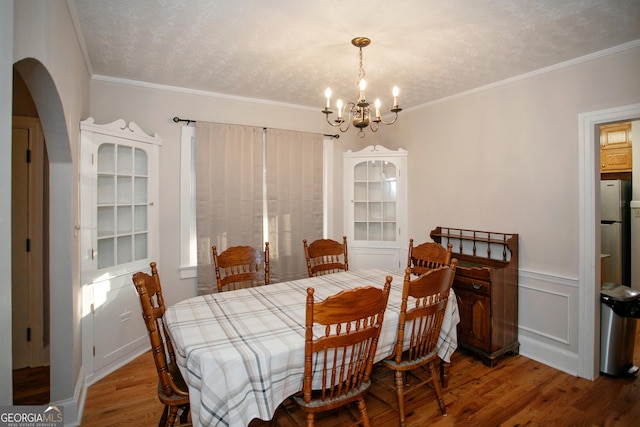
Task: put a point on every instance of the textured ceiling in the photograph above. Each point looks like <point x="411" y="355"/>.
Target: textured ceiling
<point x="290" y="51"/>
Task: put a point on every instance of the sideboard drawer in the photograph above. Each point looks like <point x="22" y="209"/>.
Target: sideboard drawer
<point x="471" y="285"/>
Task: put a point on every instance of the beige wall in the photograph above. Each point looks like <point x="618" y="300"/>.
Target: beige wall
<point x="506" y="159"/>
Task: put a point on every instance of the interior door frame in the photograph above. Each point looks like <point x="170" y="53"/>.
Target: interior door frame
<point x="37" y="217"/>
<point x="589" y="245"/>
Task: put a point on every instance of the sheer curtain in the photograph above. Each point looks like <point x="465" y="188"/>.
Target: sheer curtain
<point x="229" y="192"/>
<point x="294" y="199"/>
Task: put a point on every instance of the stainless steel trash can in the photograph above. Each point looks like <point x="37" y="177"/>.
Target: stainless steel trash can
<point x="620" y="305"/>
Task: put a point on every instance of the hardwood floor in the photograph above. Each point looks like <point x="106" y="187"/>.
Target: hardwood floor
<point x="517" y="392"/>
<point x="31" y="386"/>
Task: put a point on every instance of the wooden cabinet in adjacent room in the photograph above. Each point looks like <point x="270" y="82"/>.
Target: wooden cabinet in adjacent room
<point x="615" y="147"/>
<point x="486" y="287"/>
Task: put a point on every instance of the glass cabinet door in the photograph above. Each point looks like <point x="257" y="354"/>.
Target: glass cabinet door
<point x="119" y="170"/>
<point x="374" y="202"/>
<point x="375" y="199"/>
<point x="122" y="223"/>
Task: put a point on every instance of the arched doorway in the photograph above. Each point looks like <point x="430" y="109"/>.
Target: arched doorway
<point x="29" y="251"/>
<point x="60" y="244"/>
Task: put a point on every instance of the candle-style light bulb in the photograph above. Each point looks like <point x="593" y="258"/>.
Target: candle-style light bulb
<point x="327" y="94"/>
<point x="396" y="92"/>
<point x="363" y="86"/>
<point x="339" y="105"/>
<point x="377" y="108"/>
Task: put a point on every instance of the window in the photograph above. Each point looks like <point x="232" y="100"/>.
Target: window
<point x="189" y="245"/>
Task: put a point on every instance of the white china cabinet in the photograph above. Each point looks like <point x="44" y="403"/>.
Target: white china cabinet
<point x="375" y="209"/>
<point x="119" y="236"/>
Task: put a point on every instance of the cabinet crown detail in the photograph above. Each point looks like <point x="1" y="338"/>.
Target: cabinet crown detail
<point x="377" y="150"/>
<point x="119" y="128"/>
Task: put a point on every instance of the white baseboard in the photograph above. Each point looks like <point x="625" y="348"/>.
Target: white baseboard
<point x="72" y="407"/>
<point x="554" y="357"/>
<point x="119" y="363"/>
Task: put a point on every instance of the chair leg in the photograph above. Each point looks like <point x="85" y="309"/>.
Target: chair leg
<point x="400" y="378"/>
<point x="171" y="419"/>
<point x="363" y="412"/>
<point x="435" y="379"/>
<point x="163" y="417"/>
<point x="310" y="419"/>
<point x="444" y="373"/>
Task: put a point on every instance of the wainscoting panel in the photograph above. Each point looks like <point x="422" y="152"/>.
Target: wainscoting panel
<point x="548" y="319"/>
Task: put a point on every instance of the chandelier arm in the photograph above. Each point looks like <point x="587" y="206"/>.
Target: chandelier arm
<point x="395" y="118"/>
<point x="347" y="108"/>
<point x="338" y="124"/>
<point x="345" y="129"/>
<point x="335" y="125"/>
<point x="371" y="126"/>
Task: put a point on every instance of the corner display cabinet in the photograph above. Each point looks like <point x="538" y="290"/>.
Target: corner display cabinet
<point x="375" y="207"/>
<point x="119" y="236"/>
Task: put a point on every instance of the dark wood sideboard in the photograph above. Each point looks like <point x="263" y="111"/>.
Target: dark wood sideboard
<point x="486" y="286"/>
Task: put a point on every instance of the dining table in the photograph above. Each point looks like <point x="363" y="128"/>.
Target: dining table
<point x="241" y="352"/>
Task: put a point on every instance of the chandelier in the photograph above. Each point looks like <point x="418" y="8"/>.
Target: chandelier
<point x="359" y="113"/>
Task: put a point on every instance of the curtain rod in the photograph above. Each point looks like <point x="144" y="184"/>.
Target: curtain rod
<point x="177" y="119"/>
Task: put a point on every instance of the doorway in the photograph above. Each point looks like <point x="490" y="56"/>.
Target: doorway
<point x="616" y="176"/>
<point x="589" y="246"/>
<point x="29" y="252"/>
<point x="63" y="310"/>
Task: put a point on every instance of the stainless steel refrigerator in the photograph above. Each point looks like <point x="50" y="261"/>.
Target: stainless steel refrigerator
<point x="615" y="212"/>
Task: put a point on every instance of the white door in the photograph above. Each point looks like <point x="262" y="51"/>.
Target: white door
<point x="28" y="277"/>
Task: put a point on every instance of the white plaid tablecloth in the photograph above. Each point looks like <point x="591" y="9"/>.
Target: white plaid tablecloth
<point x="242" y="352"/>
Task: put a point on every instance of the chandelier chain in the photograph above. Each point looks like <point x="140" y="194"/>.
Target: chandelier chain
<point x="362" y="73"/>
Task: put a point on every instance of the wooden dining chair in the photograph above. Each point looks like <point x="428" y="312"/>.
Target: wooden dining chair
<point x="241" y="267"/>
<point x="173" y="392"/>
<point x="422" y="320"/>
<point x="338" y="362"/>
<point x="325" y="256"/>
<point x="427" y="256"/>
